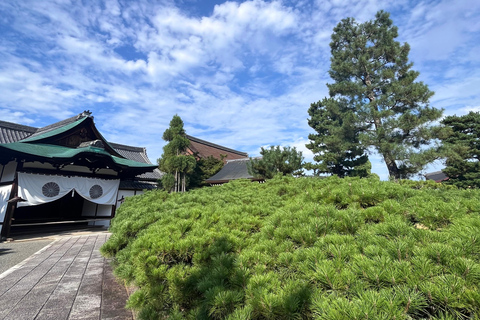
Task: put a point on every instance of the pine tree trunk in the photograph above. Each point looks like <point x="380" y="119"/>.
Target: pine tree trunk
<point x="391" y="166"/>
<point x="387" y="157"/>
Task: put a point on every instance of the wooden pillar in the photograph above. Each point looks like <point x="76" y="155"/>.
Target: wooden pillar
<point x="114" y="209"/>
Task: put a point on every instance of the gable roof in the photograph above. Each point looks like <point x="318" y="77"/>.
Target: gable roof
<point x="204" y="149"/>
<point x="437" y="176"/>
<point x="232" y="170"/>
<point x="43" y="133"/>
<point x="36" y="142"/>
<point x="57" y="127"/>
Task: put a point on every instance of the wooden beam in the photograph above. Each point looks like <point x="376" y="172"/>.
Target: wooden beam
<point x="57" y="222"/>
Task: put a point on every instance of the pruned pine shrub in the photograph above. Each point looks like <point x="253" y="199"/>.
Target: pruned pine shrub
<point x="302" y="249"/>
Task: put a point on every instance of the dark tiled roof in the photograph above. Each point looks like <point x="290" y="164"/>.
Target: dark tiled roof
<point x="56" y="125"/>
<point x="137" y="185"/>
<point x="153" y="176"/>
<point x="138" y="154"/>
<point x="12" y="132"/>
<point x="233" y="169"/>
<point x="132" y="153"/>
<point x="204" y="149"/>
<point x="437" y="176"/>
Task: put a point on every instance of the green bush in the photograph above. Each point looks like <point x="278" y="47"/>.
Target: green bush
<point x="302" y="248"/>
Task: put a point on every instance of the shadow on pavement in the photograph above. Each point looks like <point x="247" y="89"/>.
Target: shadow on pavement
<point x="5" y="251"/>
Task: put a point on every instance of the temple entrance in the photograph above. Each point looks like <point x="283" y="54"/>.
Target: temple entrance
<point x="64" y="209"/>
<point x="69" y="213"/>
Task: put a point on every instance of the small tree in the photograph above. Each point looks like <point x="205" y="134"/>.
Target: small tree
<point x="462" y="150"/>
<point x="285" y="161"/>
<point x="336" y="144"/>
<point x="205" y="168"/>
<point x="174" y="162"/>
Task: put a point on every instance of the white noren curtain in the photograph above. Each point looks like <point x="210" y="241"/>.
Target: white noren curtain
<point x="38" y="189"/>
<point x="4" y="196"/>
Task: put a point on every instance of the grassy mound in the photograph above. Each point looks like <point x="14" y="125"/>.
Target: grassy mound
<point x="302" y="249"/>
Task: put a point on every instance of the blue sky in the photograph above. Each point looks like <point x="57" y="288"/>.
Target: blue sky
<point x="240" y="74"/>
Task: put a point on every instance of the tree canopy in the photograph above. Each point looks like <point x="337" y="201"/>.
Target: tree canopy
<point x="205" y="168"/>
<point x="174" y="163"/>
<point x="462" y="150"/>
<point x="276" y="160"/>
<point x="336" y="145"/>
<point x="376" y="92"/>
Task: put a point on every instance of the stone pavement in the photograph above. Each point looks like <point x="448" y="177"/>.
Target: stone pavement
<point x="12" y="253"/>
<point x="68" y="279"/>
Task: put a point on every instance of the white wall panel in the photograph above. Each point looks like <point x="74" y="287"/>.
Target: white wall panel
<point x="89" y="209"/>
<point x="9" y="172"/>
<point x="124" y="194"/>
<point x="104" y="210"/>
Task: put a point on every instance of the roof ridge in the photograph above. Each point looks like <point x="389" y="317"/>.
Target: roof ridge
<point x="42" y="134"/>
<point x="216" y="145"/>
<point x="58" y="124"/>
<point x="241" y="159"/>
<point x="435" y="172"/>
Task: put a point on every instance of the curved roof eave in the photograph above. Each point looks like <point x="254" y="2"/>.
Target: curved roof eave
<point x="57" y="153"/>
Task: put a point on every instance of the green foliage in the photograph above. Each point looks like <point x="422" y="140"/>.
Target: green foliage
<point x="168" y="181"/>
<point x="462" y="150"/>
<point x="302" y="248"/>
<point x="336" y="144"/>
<point x="174" y="163"/>
<point x="375" y="91"/>
<point x="276" y="160"/>
<point x="206" y="168"/>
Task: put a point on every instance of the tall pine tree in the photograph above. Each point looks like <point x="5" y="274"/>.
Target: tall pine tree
<point x="391" y="109"/>
<point x="174" y="163"/>
<point x="462" y="150"/>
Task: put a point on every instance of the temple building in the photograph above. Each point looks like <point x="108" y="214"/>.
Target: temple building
<point x="66" y="174"/>
<point x="233" y="170"/>
<point x="203" y="149"/>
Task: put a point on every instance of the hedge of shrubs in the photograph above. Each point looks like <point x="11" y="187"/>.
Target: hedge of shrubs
<point x="302" y="248"/>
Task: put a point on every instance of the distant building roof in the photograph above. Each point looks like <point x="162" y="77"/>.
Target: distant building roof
<point x="205" y="149"/>
<point x="12" y="132"/>
<point x="437" y="176"/>
<point x="232" y="170"/>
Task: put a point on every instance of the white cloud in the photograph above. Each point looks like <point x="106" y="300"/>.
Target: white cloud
<point x="242" y="76"/>
<point x="468" y="109"/>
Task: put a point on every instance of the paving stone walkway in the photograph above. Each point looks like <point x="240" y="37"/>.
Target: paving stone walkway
<point x="68" y="279"/>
